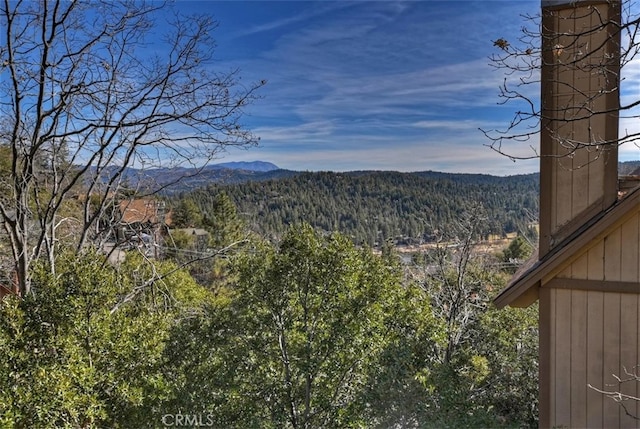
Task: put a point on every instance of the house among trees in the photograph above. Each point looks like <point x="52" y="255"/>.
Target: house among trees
<point x="586" y="274"/>
<point x="199" y="237"/>
<point x="141" y="222"/>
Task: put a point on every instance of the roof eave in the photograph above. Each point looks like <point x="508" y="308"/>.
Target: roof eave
<point x="522" y="291"/>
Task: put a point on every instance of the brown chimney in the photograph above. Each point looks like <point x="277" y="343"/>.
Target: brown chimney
<point x="579" y="125"/>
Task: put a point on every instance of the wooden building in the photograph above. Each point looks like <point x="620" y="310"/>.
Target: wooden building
<point x="141" y="224"/>
<point x="586" y="275"/>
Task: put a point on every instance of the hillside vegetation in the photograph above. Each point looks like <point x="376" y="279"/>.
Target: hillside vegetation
<point x="304" y="329"/>
<point x="372" y="207"/>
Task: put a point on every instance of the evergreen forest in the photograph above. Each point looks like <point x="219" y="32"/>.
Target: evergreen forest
<point x="374" y="207"/>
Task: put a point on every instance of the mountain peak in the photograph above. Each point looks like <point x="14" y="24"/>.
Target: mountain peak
<point x="260" y="166"/>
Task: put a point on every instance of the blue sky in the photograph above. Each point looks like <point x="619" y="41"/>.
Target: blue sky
<point x="383" y="85"/>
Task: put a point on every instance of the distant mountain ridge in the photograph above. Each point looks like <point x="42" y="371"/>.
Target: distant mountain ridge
<point x="181" y="179"/>
<point x="628" y="167"/>
<point x="369" y="206"/>
<point x="259" y="166"/>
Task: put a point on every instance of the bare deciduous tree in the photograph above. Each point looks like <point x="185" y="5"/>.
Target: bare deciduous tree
<point x="91" y="88"/>
<point x="583" y="51"/>
<point x="454" y="275"/>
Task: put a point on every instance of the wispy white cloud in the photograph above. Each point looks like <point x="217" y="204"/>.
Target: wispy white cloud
<point x="454" y="125"/>
<point x="304" y="131"/>
<point x="277" y="24"/>
<point x="392" y="85"/>
<point x="395" y="85"/>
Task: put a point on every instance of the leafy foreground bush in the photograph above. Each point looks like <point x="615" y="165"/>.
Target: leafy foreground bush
<point x="310" y="333"/>
<point x="70" y="360"/>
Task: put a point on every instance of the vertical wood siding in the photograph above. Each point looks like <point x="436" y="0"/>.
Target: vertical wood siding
<point x="595" y="335"/>
<point x="615" y="257"/>
<point x="592" y="337"/>
<point x="577" y="105"/>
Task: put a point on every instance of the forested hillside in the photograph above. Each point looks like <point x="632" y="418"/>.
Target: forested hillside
<point x="372" y="207"/>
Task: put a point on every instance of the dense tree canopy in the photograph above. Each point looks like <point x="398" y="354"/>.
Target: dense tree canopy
<point x="372" y="207"/>
<point x="70" y="360"/>
<point x="310" y="331"/>
<point x="304" y="328"/>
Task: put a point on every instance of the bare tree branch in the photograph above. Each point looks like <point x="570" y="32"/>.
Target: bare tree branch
<point x="159" y="277"/>
<point x="617" y="395"/>
<point x="521" y="61"/>
<point x="84" y="97"/>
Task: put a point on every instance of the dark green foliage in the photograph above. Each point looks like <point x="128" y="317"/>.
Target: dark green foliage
<point x="479" y="348"/>
<point x="221" y="220"/>
<point x="205" y="253"/>
<point x="186" y="214"/>
<point x="204" y="365"/>
<point x="371" y="207"/>
<point x="518" y="251"/>
<point x="508" y="340"/>
<point x="309" y="332"/>
<point x="311" y="318"/>
<point x="399" y="392"/>
<point x="70" y="360"/>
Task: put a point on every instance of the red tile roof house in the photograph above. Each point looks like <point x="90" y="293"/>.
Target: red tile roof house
<point x="140" y="223"/>
<point x="586" y="276"/>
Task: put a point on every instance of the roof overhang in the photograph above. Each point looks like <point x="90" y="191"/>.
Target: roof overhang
<point x="522" y="290"/>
